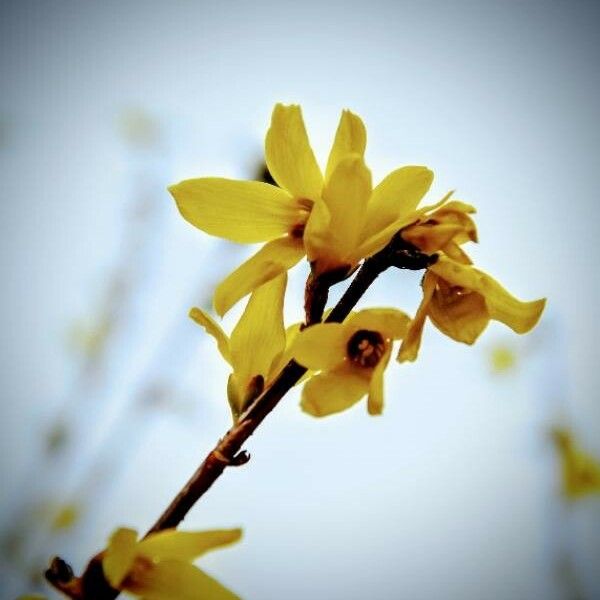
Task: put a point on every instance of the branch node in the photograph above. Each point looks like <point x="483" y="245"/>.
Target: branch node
<point x="239" y="459"/>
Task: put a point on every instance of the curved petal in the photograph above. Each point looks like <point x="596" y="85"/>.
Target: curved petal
<point x="119" y="557"/>
<point x="461" y="317"/>
<point x="390" y="322"/>
<point x="271" y="260"/>
<point x="457" y="213"/>
<point x="212" y="328"/>
<point x="350" y="138"/>
<point x="333" y="391"/>
<point x="456" y="253"/>
<point x="396" y="197"/>
<point x="346" y="195"/>
<point x="186" y="545"/>
<point x="289" y="156"/>
<point x="259" y="337"/>
<point x="409" y="349"/>
<point x="519" y="316"/>
<point x="291" y="333"/>
<point x="176" y="580"/>
<point x="430" y="238"/>
<point x="378" y="240"/>
<point x="321" y="346"/>
<point x="317" y="233"/>
<point x="240" y="211"/>
<point x="374" y="242"/>
<point x="375" y="399"/>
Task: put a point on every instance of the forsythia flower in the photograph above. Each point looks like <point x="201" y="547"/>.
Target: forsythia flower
<point x="160" y="567"/>
<point x="256" y="347"/>
<point x="351" y="356"/>
<point x="445" y="228"/>
<point x="459" y="299"/>
<point x="580" y="471"/>
<point x="337" y="219"/>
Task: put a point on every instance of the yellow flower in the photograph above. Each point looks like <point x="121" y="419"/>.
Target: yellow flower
<point x="337" y="219"/>
<point x="444" y="229"/>
<point x="160" y="567"/>
<point x="256" y="347"/>
<point x="502" y="358"/>
<point x="460" y="300"/>
<point x="580" y="471"/>
<point x="351" y="356"/>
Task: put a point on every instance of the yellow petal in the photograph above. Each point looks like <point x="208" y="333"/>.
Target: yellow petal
<point x="375" y="399"/>
<point x="317" y="233"/>
<point x="457" y="213"/>
<point x="346" y="195"/>
<point x="456" y="253"/>
<point x="373" y="242"/>
<point x="409" y="349"/>
<point x="259" y="337"/>
<point x="379" y="239"/>
<point x="461" y="316"/>
<point x="212" y="328"/>
<point x="430" y="238"/>
<point x="396" y="197"/>
<point x="289" y="156"/>
<point x="391" y="323"/>
<point x="321" y="346"/>
<point x="350" y="138"/>
<point x="291" y="333"/>
<point x="240" y="211"/>
<point x="502" y="306"/>
<point x="235" y="400"/>
<point x="120" y="555"/>
<point x="333" y="391"/>
<point x="271" y="260"/>
<point x="176" y="580"/>
<point x="458" y="206"/>
<point x="186" y="545"/>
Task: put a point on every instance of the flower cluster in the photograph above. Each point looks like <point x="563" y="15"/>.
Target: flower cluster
<point x="337" y="219"/>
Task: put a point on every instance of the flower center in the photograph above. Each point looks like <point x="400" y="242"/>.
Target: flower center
<point x="139" y="570"/>
<point x="451" y="294"/>
<point x="365" y="348"/>
<point x="297" y="230"/>
<point x="304" y="208"/>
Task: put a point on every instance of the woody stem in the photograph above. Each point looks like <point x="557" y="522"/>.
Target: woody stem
<point x="227" y="452"/>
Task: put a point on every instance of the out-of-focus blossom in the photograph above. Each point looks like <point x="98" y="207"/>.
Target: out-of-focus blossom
<point x="580" y="471"/>
<point x="160" y="567"/>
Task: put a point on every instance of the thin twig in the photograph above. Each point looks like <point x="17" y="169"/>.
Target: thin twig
<point x="92" y="585"/>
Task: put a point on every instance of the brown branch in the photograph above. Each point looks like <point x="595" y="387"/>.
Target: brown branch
<point x="91" y="585"/>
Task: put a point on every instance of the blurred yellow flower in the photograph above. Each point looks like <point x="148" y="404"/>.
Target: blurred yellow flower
<point x="580" y="471"/>
<point x="502" y="358"/>
<point x="65" y="517"/>
<point x="336" y="220"/>
<point x="256" y="348"/>
<point x="351" y="356"/>
<point x="460" y="300"/>
<point x="160" y="567"/>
